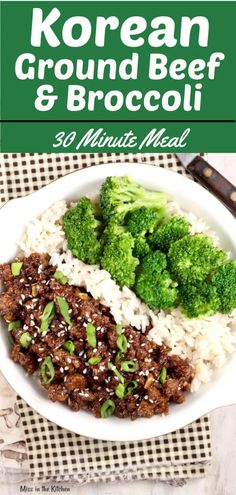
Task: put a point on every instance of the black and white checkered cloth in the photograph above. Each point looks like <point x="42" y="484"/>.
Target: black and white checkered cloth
<point x="55" y="454"/>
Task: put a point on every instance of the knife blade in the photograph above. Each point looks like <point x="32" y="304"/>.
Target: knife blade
<point x="210" y="178"/>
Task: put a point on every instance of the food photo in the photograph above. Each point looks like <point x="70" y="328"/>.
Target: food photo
<point x="118" y="297"/>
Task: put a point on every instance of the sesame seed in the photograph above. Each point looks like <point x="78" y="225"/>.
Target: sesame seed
<point x="61" y="369"/>
<point x="68" y="360"/>
<point x="39" y="359"/>
<point x="66" y="368"/>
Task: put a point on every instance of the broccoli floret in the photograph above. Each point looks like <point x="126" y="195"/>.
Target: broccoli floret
<point x="192" y="258"/>
<point x="173" y="230"/>
<point x="224" y="280"/>
<point x="144" y="220"/>
<point x="82" y="229"/>
<point x="154" y="284"/>
<point x="141" y="247"/>
<point x="117" y="257"/>
<point x="198" y="300"/>
<point x="140" y="223"/>
<point x="121" y="195"/>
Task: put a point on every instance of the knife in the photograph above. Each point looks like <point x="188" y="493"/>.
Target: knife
<point x="210" y="178"/>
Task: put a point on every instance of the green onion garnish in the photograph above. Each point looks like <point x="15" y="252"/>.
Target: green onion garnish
<point x="47" y="316"/>
<point x="119" y="329"/>
<point x="69" y="346"/>
<point x="13" y="325"/>
<point x="16" y="268"/>
<point x="64" y="309"/>
<point x="120" y="390"/>
<point x="163" y="374"/>
<point x="129" y="366"/>
<point x="122" y="343"/>
<point x="123" y="390"/>
<point x="107" y="408"/>
<point x="113" y="368"/>
<point x="94" y="360"/>
<point x="47" y="370"/>
<point x="118" y="355"/>
<point x="130" y="387"/>
<point x="25" y="340"/>
<point x="60" y="277"/>
<point x="91" y="335"/>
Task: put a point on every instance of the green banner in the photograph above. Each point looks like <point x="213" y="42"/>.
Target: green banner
<point x="133" y="76"/>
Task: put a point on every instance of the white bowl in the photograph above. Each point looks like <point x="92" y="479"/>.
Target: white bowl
<point x="14" y="215"/>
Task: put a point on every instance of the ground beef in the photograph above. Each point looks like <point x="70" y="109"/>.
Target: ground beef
<point x="85" y="376"/>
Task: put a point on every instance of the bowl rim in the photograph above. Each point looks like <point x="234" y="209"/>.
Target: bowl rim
<point x="114" y="432"/>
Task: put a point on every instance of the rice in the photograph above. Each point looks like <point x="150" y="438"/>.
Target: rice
<point x="207" y="342"/>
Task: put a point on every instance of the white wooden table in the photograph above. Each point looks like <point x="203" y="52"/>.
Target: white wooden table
<point x="221" y="479"/>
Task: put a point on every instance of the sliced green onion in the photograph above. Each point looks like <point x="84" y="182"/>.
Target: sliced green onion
<point x="118" y="355"/>
<point x="47" y="316"/>
<point x="129" y="366"/>
<point x="13" y="325"/>
<point x="60" y="277"/>
<point x="91" y="335"/>
<point x="69" y="346"/>
<point x="94" y="360"/>
<point x="119" y="329"/>
<point x="25" y="340"/>
<point x="47" y="370"/>
<point x="122" y="343"/>
<point x="130" y="387"/>
<point x="163" y="374"/>
<point x="120" y="390"/>
<point x="64" y="309"/>
<point x="107" y="408"/>
<point x="16" y="268"/>
<point x="113" y="368"/>
<point x="123" y="390"/>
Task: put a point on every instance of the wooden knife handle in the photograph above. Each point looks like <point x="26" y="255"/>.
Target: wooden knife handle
<point x="210" y="178"/>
